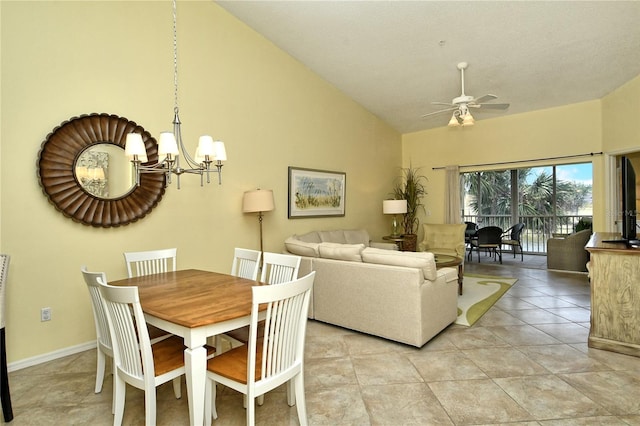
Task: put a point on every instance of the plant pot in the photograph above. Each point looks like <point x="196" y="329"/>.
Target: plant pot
<point x="410" y="242"/>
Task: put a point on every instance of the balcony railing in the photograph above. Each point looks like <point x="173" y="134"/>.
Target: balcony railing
<point x="537" y="229"/>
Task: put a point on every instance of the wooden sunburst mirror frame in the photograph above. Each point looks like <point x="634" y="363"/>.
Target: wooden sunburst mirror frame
<point x="56" y="171"/>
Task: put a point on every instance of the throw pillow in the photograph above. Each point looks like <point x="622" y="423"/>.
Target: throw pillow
<point x="421" y="260"/>
<point x="301" y="248"/>
<point x="337" y="251"/>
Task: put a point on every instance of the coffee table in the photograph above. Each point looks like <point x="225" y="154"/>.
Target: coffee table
<point x="443" y="260"/>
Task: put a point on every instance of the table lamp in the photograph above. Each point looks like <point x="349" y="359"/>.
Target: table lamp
<point x="260" y="201"/>
<point x="394" y="207"/>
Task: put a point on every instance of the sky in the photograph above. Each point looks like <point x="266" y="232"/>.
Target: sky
<point x="582" y="172"/>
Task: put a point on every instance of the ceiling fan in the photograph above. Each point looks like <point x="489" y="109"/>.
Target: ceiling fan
<point x="461" y="105"/>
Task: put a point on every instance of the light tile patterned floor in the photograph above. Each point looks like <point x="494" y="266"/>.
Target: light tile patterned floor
<point x="526" y="361"/>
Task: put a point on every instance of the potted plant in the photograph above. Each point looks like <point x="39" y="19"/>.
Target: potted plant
<point x="411" y="187"/>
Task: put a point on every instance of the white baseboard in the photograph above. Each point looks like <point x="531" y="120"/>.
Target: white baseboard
<point x="30" y="362"/>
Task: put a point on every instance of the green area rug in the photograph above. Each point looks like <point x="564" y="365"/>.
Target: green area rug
<point x="480" y="292"/>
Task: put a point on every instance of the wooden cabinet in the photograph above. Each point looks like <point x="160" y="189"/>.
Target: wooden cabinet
<point x="615" y="295"/>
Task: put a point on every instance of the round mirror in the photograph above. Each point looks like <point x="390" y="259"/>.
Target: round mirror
<point x="84" y="173"/>
<point x="104" y="171"/>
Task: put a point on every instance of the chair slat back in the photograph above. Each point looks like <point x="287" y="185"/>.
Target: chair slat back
<point x="150" y="262"/>
<point x="4" y="271"/>
<point x="282" y="346"/>
<point x="99" y="315"/>
<point x="131" y="345"/>
<point x="489" y="235"/>
<point x="279" y="268"/>
<point x="246" y="263"/>
<point x="516" y="230"/>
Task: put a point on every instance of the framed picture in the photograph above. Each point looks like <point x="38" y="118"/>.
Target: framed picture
<point x="316" y="193"/>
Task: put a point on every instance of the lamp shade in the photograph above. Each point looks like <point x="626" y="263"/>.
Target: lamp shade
<point x="167" y="144"/>
<point x="205" y="146"/>
<point x="135" y="146"/>
<point x="259" y="200"/>
<point x="467" y="119"/>
<point x="394" y="206"/>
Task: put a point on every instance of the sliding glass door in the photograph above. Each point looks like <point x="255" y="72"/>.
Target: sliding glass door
<point x="555" y="199"/>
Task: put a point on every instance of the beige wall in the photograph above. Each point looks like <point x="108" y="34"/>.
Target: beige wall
<point x="621" y="118"/>
<point x="556" y="132"/>
<point x="621" y="135"/>
<point x="63" y="59"/>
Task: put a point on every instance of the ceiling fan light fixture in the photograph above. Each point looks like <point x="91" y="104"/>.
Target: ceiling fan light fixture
<point x="454" y="121"/>
<point x="467" y="120"/>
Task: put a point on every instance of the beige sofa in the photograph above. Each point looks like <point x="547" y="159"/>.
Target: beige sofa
<point x="396" y="295"/>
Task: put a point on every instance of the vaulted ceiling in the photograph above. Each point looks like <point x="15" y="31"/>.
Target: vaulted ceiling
<point x="397" y="57"/>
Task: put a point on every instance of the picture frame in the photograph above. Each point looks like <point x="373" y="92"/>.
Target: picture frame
<point x="316" y="193"/>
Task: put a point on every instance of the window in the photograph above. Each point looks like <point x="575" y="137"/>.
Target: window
<point x="548" y="200"/>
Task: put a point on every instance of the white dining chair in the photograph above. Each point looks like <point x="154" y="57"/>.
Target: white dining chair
<point x="104" y="347"/>
<point x="138" y="362"/>
<point x="246" y="263"/>
<point x="141" y="263"/>
<point x="5" y="394"/>
<point x="277" y="358"/>
<point x="277" y="268"/>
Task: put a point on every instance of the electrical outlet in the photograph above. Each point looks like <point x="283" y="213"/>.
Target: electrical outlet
<point x="45" y="314"/>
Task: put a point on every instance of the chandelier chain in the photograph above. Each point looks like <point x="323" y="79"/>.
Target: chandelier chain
<point x="175" y="57"/>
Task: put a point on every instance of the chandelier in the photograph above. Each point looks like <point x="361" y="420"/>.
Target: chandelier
<point x="209" y="153"/>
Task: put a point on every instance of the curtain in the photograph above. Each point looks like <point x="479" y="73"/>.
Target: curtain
<point x="452" y="195"/>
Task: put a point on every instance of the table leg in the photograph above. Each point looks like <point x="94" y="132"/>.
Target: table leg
<point x="460" y="277"/>
<point x="195" y="360"/>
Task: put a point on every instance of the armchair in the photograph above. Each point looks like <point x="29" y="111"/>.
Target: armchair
<point x="568" y="253"/>
<point x="443" y="238"/>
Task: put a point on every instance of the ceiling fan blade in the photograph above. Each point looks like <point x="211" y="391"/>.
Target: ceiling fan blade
<point x="439" y="112"/>
<point x="485" y="98"/>
<point x="442" y="103"/>
<point x="494" y="106"/>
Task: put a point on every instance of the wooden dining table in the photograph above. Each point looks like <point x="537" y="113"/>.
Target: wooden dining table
<point x="195" y="305"/>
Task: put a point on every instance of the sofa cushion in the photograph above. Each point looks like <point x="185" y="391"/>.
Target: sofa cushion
<point x="310" y="237"/>
<point x="356" y="236"/>
<point x="336" y="236"/>
<point x="337" y="251"/>
<point x="301" y="248"/>
<point x="421" y="260"/>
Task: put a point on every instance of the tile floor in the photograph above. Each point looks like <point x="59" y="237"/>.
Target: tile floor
<point x="526" y="362"/>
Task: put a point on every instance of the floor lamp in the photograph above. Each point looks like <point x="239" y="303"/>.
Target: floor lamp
<point x="260" y="201"/>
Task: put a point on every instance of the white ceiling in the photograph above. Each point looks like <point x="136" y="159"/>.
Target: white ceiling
<point x="396" y="57"/>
